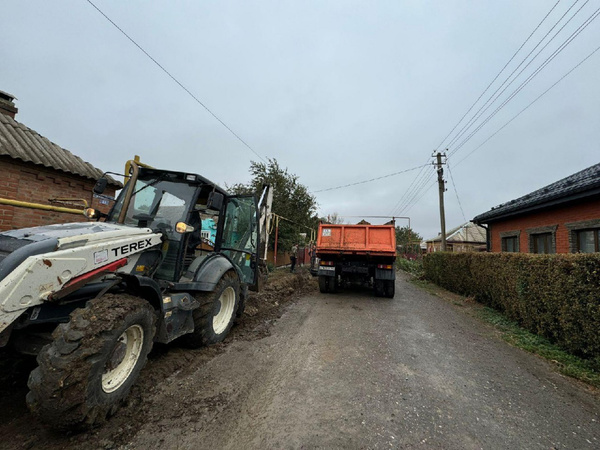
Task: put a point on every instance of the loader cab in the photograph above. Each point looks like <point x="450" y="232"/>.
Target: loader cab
<point x="160" y="200"/>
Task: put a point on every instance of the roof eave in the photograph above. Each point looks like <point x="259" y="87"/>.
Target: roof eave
<point x="536" y="207"/>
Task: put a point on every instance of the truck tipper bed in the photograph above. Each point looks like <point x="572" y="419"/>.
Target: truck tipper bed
<point x="357" y="254"/>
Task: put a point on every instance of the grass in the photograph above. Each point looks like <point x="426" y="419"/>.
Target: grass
<point x="586" y="370"/>
<point x="582" y="369"/>
<point x="414" y="267"/>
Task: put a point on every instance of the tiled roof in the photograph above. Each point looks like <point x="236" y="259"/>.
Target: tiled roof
<point x="578" y="185"/>
<point x="21" y="142"/>
<point x="467" y="232"/>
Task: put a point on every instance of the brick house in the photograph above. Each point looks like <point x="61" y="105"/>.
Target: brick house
<point x="35" y="170"/>
<point x="467" y="237"/>
<point x="563" y="217"/>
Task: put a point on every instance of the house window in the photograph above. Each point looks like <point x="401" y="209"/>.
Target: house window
<point x="584" y="236"/>
<point x="542" y="239"/>
<point x="542" y="243"/>
<point x="510" y="244"/>
<point x="588" y="241"/>
<point x="510" y="241"/>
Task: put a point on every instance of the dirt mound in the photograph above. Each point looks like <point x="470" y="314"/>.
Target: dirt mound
<point x="165" y="362"/>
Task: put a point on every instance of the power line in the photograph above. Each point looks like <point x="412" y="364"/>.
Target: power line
<point x="422" y="184"/>
<point x="529" y="105"/>
<point x="499" y="73"/>
<point x="368" y="181"/>
<point x="409" y="187"/>
<point x="176" y="80"/>
<point x="456" y="192"/>
<point x="493" y="98"/>
<point x="529" y="78"/>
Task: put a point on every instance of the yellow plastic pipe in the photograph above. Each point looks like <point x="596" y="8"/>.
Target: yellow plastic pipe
<point x="5" y="201"/>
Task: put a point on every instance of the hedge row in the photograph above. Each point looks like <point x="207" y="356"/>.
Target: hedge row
<point x="556" y="296"/>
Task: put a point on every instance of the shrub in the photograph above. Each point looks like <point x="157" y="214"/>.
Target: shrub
<point x="413" y="266"/>
<point x="555" y="296"/>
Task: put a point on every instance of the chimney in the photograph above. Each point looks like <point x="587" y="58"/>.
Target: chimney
<point x="6" y="104"/>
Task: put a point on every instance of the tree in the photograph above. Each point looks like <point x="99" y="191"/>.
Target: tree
<point x="291" y="200"/>
<point x="408" y="241"/>
<point x="334" y="218"/>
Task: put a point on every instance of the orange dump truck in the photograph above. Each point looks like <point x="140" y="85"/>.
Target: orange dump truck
<point x="357" y="254"/>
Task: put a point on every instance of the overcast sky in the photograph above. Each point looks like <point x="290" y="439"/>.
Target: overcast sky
<point x="337" y="91"/>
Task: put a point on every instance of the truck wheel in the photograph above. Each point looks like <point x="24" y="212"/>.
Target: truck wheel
<point x="215" y="316"/>
<point x="333" y="284"/>
<point x="378" y="288"/>
<point x="389" y="288"/>
<point x="85" y="373"/>
<point x="323" y="284"/>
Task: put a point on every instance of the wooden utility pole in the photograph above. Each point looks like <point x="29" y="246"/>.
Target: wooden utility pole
<point x="442" y="189"/>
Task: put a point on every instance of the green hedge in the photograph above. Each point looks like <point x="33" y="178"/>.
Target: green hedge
<point x="556" y="296"/>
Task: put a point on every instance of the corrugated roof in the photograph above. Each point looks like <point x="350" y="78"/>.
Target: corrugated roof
<point x="578" y="185"/>
<point x="21" y="142"/>
<point x="467" y="232"/>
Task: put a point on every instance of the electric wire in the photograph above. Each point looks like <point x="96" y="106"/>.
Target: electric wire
<point x="371" y="179"/>
<point x="498" y="74"/>
<point x="529" y="78"/>
<point x="176" y="80"/>
<point x="401" y="199"/>
<point x="529" y="105"/>
<point x="422" y="184"/>
<point x="456" y="192"/>
<point x="410" y="190"/>
<point x="505" y="84"/>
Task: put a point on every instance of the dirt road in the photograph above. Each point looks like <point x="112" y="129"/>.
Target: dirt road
<point x="352" y="371"/>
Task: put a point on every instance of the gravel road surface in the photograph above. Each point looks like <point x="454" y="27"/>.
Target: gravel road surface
<point x="346" y="370"/>
<point x="353" y="371"/>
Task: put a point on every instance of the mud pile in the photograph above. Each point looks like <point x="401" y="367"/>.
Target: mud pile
<point x="165" y="364"/>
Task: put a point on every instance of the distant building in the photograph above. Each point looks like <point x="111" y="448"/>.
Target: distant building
<point x="467" y="237"/>
<point x="35" y="170"/>
<point x="563" y="217"/>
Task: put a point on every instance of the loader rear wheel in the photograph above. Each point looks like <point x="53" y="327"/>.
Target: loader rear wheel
<point x="217" y="311"/>
<point x="87" y="371"/>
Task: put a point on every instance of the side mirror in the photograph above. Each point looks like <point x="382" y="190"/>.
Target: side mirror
<point x="100" y="186"/>
<point x="215" y="201"/>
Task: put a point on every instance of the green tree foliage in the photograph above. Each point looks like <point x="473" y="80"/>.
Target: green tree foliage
<point x="408" y="241"/>
<point x="291" y="200"/>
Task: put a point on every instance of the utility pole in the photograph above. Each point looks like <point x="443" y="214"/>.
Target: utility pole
<point x="442" y="189"/>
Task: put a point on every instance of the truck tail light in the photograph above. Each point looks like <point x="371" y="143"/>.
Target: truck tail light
<point x="385" y="266"/>
<point x="326" y="263"/>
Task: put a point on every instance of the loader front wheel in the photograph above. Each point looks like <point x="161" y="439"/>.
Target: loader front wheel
<point x="216" y="314"/>
<point x="87" y="371"/>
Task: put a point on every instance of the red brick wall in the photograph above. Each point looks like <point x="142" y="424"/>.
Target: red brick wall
<point x="556" y="216"/>
<point x="33" y="183"/>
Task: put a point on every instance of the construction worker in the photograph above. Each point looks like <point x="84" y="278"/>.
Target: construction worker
<point x="293" y="256"/>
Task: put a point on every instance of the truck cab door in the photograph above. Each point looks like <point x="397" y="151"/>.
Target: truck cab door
<point x="239" y="235"/>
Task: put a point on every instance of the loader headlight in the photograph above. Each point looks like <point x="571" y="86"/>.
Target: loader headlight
<point x="90" y="213"/>
<point x="183" y="227"/>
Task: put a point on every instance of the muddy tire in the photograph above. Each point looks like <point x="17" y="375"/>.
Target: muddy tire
<point x="328" y="284"/>
<point x="217" y="311"/>
<point x="389" y="288"/>
<point x="323" y="284"/>
<point x="87" y="371"/>
<point x="378" y="287"/>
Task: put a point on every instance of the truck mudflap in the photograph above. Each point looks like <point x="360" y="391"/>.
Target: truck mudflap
<point x="385" y="274"/>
